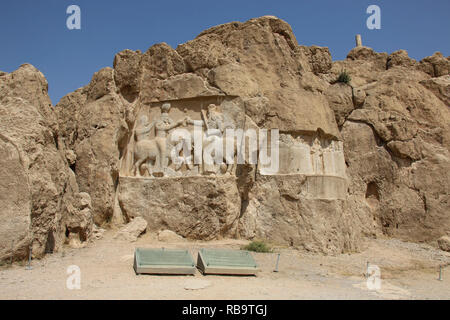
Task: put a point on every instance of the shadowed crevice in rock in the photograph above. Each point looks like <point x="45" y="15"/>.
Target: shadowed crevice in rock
<point x="372" y="195"/>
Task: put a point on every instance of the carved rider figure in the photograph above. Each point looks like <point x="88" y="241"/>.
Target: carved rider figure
<point x="216" y="123"/>
<point x="144" y="128"/>
<point x="162" y="126"/>
<point x="214" y="138"/>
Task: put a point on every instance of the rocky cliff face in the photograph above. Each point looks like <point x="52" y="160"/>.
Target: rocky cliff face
<point x="39" y="196"/>
<point x="361" y="159"/>
<point x="396" y="140"/>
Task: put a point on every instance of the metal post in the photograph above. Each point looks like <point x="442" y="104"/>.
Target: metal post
<point x="12" y="252"/>
<point x="278" y="260"/>
<point x="440" y="273"/>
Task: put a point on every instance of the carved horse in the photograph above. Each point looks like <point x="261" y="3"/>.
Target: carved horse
<point x="147" y="151"/>
<point x="229" y="160"/>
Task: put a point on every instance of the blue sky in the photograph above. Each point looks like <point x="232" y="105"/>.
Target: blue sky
<point x="35" y="31"/>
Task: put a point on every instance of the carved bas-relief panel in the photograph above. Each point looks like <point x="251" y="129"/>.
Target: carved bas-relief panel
<point x="167" y="175"/>
<point x="173" y="174"/>
<point x="304" y="203"/>
<point x="320" y="160"/>
<point x="178" y="138"/>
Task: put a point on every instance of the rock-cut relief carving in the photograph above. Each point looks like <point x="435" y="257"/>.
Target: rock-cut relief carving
<point x="154" y="152"/>
<point x="165" y="154"/>
<point x="216" y="126"/>
<point x="310" y="155"/>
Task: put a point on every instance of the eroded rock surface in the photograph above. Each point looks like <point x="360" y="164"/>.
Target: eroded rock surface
<point x="40" y="200"/>
<point x="132" y="230"/>
<point x="169" y="236"/>
<point x="357" y="151"/>
<point x="397" y="149"/>
<point x="367" y="158"/>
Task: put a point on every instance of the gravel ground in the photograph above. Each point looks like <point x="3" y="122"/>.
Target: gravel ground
<point x="408" y="271"/>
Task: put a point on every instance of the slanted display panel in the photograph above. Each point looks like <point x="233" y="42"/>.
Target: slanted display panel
<point x="163" y="261"/>
<point x="221" y="261"/>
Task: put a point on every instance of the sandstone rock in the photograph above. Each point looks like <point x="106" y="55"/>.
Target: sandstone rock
<point x="97" y="232"/>
<point x="162" y="62"/>
<point x="95" y="129"/>
<point x="205" y="52"/>
<point x="440" y="86"/>
<point x="169" y="236"/>
<point x="127" y="73"/>
<point x="233" y="79"/>
<point x="400" y="58"/>
<point x="364" y="70"/>
<point x="393" y="121"/>
<point x="340" y="100"/>
<point x="359" y="97"/>
<point x="268" y="60"/>
<point x="29" y="84"/>
<point x="310" y="82"/>
<point x="132" y="230"/>
<point x="259" y="61"/>
<point x="367" y="159"/>
<point x="399" y="131"/>
<point x="187" y="85"/>
<point x="280" y="211"/>
<point x="105" y="110"/>
<point x="379" y="60"/>
<point x="68" y="114"/>
<point x="195" y="208"/>
<point x="436" y="65"/>
<point x="15" y="201"/>
<point x="71" y="157"/>
<point x="75" y="242"/>
<point x="318" y="57"/>
<point x="444" y="243"/>
<point x="80" y="221"/>
<point x="39" y="191"/>
<point x="256" y="108"/>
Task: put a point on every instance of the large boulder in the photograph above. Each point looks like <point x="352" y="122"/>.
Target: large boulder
<point x="201" y="208"/>
<point x="132" y="230"/>
<point x="436" y="65"/>
<point x="261" y="58"/>
<point x="444" y="243"/>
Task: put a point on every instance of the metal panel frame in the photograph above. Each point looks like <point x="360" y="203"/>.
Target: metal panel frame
<point x="140" y="268"/>
<point x="225" y="270"/>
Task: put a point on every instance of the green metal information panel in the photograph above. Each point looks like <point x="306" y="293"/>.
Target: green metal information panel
<point x="222" y="261"/>
<point x="163" y="261"/>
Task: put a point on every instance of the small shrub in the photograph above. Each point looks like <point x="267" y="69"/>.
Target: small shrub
<point x="344" y="77"/>
<point x="257" y="246"/>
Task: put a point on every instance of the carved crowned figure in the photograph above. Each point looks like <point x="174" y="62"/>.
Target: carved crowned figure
<point x="154" y="149"/>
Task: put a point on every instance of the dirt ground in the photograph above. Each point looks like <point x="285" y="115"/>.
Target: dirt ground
<point x="408" y="271"/>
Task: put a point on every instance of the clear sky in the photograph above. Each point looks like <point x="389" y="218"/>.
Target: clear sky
<point x="35" y="31"/>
